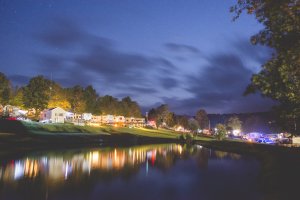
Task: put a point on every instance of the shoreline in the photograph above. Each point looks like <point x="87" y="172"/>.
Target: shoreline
<point x="15" y="137"/>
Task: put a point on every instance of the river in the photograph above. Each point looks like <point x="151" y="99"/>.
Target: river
<point x="161" y="171"/>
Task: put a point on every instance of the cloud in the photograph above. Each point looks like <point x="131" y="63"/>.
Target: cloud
<point x="217" y="86"/>
<point x="65" y="33"/>
<point x="85" y="58"/>
<point x="112" y="64"/>
<point x="220" y="86"/>
<point x="181" y="48"/>
<point x="142" y="90"/>
<point x="169" y="83"/>
<point x="256" y="52"/>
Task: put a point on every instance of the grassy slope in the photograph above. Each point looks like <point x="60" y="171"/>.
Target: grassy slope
<point x="67" y="134"/>
<point x="69" y="129"/>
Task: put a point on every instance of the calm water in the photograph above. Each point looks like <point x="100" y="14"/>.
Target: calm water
<point x="167" y="171"/>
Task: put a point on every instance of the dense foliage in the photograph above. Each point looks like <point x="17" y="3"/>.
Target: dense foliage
<point x="201" y="117"/>
<point x="164" y="118"/>
<point x="220" y="131"/>
<point x="279" y="77"/>
<point x="41" y="93"/>
<point x="234" y="123"/>
<point x="5" y="89"/>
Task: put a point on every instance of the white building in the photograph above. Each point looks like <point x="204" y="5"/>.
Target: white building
<point x="53" y="115"/>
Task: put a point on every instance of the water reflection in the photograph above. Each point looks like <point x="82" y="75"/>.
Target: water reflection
<point x="62" y="166"/>
<point x="76" y="172"/>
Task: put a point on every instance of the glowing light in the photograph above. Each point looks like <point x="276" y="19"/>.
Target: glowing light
<point x="236" y="132"/>
<point x="19" y="170"/>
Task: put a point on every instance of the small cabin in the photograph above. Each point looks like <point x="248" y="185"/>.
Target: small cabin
<point x="53" y="115"/>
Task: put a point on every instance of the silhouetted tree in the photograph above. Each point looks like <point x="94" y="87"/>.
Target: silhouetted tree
<point x="279" y="78"/>
<point x="193" y="125"/>
<point x="37" y="93"/>
<point x="201" y="117"/>
<point x="76" y="99"/>
<point x="234" y="123"/>
<point x="5" y="89"/>
<point x="90" y="97"/>
<point x="220" y="132"/>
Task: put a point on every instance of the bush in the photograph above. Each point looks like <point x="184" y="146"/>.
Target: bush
<point x="187" y="138"/>
<point x="220" y="132"/>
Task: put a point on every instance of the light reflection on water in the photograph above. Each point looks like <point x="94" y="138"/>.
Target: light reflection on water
<point x="62" y="166"/>
<point x="52" y="175"/>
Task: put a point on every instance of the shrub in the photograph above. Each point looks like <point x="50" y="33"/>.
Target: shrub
<point x="187" y="138"/>
<point x="220" y="132"/>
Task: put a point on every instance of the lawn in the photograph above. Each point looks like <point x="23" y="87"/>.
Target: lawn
<point x="70" y="129"/>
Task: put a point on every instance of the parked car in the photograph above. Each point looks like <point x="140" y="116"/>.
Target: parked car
<point x="265" y="141"/>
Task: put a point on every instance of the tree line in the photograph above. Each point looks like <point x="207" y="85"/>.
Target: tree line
<point x="41" y="93"/>
<point x="163" y="117"/>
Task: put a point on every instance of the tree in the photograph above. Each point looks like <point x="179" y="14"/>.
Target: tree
<point x="130" y="108"/>
<point x="5" y="89"/>
<point x="90" y="97"/>
<point x="279" y="78"/>
<point x="152" y="115"/>
<point x="182" y="121"/>
<point x="58" y="97"/>
<point x="37" y="93"/>
<point x="109" y="105"/>
<point x="220" y="132"/>
<point x="201" y="117"/>
<point x="17" y="98"/>
<point x="170" y="119"/>
<point x="193" y="125"/>
<point x="160" y="115"/>
<point x="76" y="99"/>
<point x="162" y="112"/>
<point x="234" y="123"/>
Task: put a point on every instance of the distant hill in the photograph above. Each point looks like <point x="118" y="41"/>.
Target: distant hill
<point x="252" y="122"/>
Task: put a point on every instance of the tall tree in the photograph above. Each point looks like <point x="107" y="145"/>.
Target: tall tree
<point x="58" y="97"/>
<point x="279" y="78"/>
<point x="193" y="125"/>
<point x="37" y="93"/>
<point x="220" y="131"/>
<point x="109" y="105"/>
<point x="170" y="119"/>
<point x="17" y="98"/>
<point x="182" y="121"/>
<point x="5" y="89"/>
<point x="234" y="123"/>
<point x="90" y="97"/>
<point x="130" y="108"/>
<point x="76" y="99"/>
<point x="162" y="112"/>
<point x="152" y="115"/>
<point x="201" y="117"/>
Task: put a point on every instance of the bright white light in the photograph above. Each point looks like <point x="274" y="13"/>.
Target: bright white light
<point x="236" y="132"/>
<point x="19" y="170"/>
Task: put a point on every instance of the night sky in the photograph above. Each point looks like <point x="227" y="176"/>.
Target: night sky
<point x="186" y="53"/>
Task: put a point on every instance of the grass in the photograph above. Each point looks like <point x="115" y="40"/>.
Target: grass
<point x="70" y="129"/>
<point x="17" y="134"/>
<point x="156" y="133"/>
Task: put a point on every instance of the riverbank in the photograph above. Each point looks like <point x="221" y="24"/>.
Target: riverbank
<point x="20" y="136"/>
<point x="16" y="136"/>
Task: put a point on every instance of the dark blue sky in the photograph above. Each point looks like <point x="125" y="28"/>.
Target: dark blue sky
<point x="188" y="54"/>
